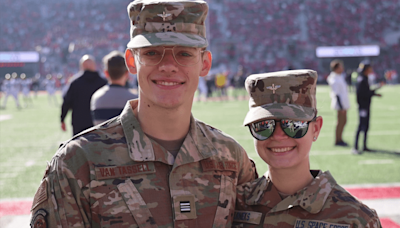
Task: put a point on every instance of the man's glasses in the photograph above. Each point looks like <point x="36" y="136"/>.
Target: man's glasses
<point x="264" y="129"/>
<point x="184" y="56"/>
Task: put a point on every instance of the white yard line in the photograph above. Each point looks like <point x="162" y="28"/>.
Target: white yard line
<point x="5" y="117"/>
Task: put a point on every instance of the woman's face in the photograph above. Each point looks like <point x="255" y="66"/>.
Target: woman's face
<point x="283" y="152"/>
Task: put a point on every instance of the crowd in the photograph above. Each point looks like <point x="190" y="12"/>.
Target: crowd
<point x="261" y="36"/>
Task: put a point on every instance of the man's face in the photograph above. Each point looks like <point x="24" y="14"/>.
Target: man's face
<point x="167" y="84"/>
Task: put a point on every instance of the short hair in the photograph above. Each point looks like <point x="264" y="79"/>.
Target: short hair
<point x="335" y="64"/>
<point x="114" y="63"/>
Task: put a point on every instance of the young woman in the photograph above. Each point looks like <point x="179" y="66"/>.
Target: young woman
<point x="284" y="123"/>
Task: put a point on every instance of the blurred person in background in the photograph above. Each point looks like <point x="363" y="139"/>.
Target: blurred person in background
<point x="50" y="84"/>
<point x="364" y="95"/>
<point x="109" y="101"/>
<point x="340" y="98"/>
<point x="284" y="129"/>
<point x="78" y="95"/>
<point x="154" y="165"/>
<point x="36" y="84"/>
<point x="9" y="89"/>
<point x="26" y="89"/>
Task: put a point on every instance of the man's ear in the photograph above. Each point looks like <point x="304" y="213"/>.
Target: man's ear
<point x="106" y="74"/>
<point x="207" y="62"/>
<point x="317" y="126"/>
<point x="130" y="61"/>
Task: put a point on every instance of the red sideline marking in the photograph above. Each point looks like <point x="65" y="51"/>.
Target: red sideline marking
<point x="375" y="192"/>
<point x="388" y="223"/>
<point x="15" y="208"/>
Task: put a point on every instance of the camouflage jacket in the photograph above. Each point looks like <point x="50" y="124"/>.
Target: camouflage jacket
<point x="113" y="175"/>
<point x="323" y="203"/>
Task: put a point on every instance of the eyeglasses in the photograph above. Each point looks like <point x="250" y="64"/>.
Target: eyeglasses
<point x="184" y="56"/>
<point x="264" y="129"/>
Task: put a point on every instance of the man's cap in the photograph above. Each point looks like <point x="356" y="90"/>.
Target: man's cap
<point x="168" y="22"/>
<point x="282" y="95"/>
<point x="363" y="66"/>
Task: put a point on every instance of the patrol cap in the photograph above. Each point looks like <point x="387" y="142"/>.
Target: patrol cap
<point x="168" y="22"/>
<point x="282" y="95"/>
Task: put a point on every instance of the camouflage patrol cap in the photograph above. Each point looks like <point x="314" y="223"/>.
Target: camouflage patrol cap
<point x="282" y="95"/>
<point x="168" y="22"/>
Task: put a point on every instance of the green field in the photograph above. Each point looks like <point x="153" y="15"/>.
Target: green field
<point x="29" y="138"/>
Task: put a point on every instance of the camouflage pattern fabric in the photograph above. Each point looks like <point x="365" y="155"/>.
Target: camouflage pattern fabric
<point x="113" y="175"/>
<point x="323" y="203"/>
<point x="283" y="95"/>
<point x="168" y="22"/>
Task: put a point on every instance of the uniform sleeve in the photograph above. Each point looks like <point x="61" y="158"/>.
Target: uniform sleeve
<point x="374" y="222"/>
<point x="67" y="102"/>
<point x="59" y="201"/>
<point x="247" y="171"/>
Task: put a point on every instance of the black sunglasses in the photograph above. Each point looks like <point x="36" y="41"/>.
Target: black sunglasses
<point x="264" y="129"/>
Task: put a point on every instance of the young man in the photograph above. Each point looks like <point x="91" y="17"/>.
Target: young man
<point x="154" y="165"/>
<point x="364" y="95"/>
<point x="340" y="98"/>
<point x="109" y="101"/>
<point x="284" y="123"/>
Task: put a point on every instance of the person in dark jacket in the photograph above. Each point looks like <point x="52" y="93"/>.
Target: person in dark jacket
<point x="79" y="93"/>
<point x="364" y="95"/>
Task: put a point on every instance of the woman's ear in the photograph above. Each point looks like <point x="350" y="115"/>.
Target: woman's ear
<point x="130" y="61"/>
<point x="207" y="62"/>
<point x="317" y="126"/>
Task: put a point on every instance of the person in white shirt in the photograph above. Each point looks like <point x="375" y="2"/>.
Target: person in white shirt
<point x="340" y="98"/>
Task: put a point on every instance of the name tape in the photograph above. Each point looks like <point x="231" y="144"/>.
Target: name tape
<point x="300" y="223"/>
<point x="111" y="172"/>
<point x="210" y="165"/>
<point x="247" y="217"/>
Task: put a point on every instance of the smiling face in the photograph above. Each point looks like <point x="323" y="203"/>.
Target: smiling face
<point x="283" y="152"/>
<point x="168" y="84"/>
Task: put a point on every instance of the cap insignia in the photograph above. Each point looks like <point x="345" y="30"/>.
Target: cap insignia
<point x="274" y="88"/>
<point x="164" y="15"/>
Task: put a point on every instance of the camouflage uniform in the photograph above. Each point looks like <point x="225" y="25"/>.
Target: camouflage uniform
<point x="323" y="203"/>
<point x="113" y="175"/>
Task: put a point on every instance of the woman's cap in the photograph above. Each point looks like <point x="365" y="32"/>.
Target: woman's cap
<point x="168" y="22"/>
<point x="282" y="95"/>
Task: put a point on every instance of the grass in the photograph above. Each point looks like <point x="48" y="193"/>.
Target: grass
<point x="32" y="135"/>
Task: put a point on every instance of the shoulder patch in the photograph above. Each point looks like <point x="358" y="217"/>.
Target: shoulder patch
<point x="39" y="219"/>
<point x="41" y="195"/>
<point x="304" y="223"/>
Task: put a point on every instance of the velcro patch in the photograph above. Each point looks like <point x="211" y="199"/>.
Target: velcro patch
<point x="247" y="217"/>
<point x="185" y="207"/>
<point x="304" y="223"/>
<point x="41" y="195"/>
<point x="211" y="165"/>
<point x="111" y="172"/>
<point x="39" y="219"/>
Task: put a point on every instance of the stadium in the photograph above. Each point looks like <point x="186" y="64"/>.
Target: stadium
<point x="40" y="38"/>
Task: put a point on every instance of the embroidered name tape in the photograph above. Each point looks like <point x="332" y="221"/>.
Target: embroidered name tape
<point x="111" y="172"/>
<point x="247" y="217"/>
<point x="303" y="223"/>
<point x="210" y="165"/>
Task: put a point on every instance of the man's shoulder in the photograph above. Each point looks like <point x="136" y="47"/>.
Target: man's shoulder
<point x="213" y="132"/>
<point x="94" y="142"/>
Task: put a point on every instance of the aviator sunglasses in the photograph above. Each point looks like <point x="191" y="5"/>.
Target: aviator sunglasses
<point x="264" y="129"/>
